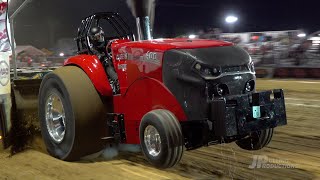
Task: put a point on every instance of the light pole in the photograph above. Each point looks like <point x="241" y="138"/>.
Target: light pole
<point x="231" y="20"/>
<point x="14" y="58"/>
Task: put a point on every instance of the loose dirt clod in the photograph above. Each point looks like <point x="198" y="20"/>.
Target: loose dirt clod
<point x="24" y="128"/>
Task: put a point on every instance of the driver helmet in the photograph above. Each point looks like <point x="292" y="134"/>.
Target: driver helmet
<point x="96" y="35"/>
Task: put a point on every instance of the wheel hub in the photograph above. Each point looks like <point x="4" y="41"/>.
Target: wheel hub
<point x="55" y="118"/>
<point x="152" y="140"/>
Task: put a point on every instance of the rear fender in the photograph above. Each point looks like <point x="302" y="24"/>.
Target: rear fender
<point x="92" y="66"/>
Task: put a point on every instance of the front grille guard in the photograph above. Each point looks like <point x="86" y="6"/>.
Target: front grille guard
<point x="242" y="114"/>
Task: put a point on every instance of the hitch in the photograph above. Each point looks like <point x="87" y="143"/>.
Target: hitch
<point x="116" y="126"/>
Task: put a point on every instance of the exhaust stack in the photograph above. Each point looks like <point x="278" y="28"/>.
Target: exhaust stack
<point x="142" y="10"/>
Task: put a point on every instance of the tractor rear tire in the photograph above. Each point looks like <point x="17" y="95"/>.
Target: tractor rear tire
<point x="161" y="126"/>
<point x="256" y="140"/>
<point x="81" y="117"/>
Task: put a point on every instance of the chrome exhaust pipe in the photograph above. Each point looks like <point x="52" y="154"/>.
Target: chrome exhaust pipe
<point x="143" y="28"/>
<point x="142" y="10"/>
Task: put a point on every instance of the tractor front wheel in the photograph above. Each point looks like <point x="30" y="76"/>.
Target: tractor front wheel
<point x="161" y="138"/>
<point x="256" y="140"/>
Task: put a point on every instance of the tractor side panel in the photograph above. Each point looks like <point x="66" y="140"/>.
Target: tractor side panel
<point x="142" y="96"/>
<point x="139" y="71"/>
<point x="132" y="63"/>
<point x="92" y="66"/>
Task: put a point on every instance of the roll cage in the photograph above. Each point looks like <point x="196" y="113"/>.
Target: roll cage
<point x="114" y="19"/>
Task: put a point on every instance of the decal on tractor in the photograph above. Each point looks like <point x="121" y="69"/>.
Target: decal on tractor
<point x="153" y="57"/>
<point x="122" y="66"/>
<point x="123" y="56"/>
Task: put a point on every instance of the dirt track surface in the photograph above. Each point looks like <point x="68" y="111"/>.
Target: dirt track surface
<point x="296" y="145"/>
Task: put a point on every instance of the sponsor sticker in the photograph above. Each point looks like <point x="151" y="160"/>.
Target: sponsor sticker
<point x="4" y="73"/>
<point x="256" y="111"/>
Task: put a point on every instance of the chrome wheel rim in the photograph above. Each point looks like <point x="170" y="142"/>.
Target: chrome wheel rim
<point x="55" y="118"/>
<point x="152" y="140"/>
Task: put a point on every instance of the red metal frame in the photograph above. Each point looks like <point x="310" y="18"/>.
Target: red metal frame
<point x="178" y="43"/>
<point x="140" y="78"/>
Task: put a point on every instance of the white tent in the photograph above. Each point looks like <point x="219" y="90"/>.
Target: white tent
<point x="30" y="50"/>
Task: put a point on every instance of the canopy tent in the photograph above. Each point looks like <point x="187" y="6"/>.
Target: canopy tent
<point x="30" y="50"/>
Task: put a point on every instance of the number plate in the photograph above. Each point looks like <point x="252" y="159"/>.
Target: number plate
<point x="256" y="112"/>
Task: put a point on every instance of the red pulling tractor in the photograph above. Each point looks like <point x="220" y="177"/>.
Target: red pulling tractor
<point x="165" y="94"/>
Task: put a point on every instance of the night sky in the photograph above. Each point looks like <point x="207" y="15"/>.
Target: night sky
<point x="43" y="22"/>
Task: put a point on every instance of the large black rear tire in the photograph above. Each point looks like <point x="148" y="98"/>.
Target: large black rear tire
<point x="84" y="114"/>
<point x="169" y="152"/>
<point x="256" y="140"/>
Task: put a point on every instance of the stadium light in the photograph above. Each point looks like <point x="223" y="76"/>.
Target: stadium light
<point x="314" y="38"/>
<point x="61" y="54"/>
<point x="301" y="35"/>
<point x="231" y="19"/>
<point x="192" y="36"/>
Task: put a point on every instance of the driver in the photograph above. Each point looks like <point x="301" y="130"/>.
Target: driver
<point x="96" y="36"/>
<point x="98" y="47"/>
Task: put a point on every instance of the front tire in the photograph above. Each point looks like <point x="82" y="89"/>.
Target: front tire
<point x="161" y="138"/>
<point x="256" y="140"/>
<point x="71" y="114"/>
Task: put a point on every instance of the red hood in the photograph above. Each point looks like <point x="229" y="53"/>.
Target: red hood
<point x="167" y="44"/>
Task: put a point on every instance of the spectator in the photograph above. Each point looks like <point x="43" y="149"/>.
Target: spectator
<point x="300" y="52"/>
